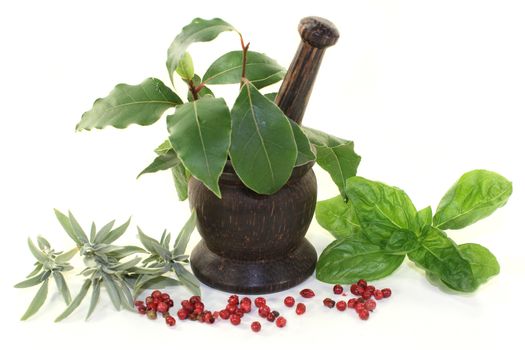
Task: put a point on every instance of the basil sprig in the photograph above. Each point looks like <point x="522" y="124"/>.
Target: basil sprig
<point x="378" y="226"/>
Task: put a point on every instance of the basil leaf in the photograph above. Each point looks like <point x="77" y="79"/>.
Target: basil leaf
<point x="95" y="296"/>
<point x="37" y="302"/>
<point x="476" y="195"/>
<point x="424" y="217"/>
<point x="261" y="70"/>
<point x="263" y="150"/>
<point x="335" y="155"/>
<point x="338" y="217"/>
<point x="185" y="68"/>
<point x="187" y="279"/>
<point x="200" y="134"/>
<point x="440" y="256"/>
<point x="76" y="302"/>
<point x="483" y="263"/>
<point x="304" y="148"/>
<point x="141" y="104"/>
<point x="199" y="30"/>
<point x="349" y="259"/>
<point x="62" y="286"/>
<point x="184" y="235"/>
<point x="387" y="216"/>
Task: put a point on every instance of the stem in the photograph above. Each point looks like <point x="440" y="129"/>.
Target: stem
<point x="193" y="90"/>
<point x="244" y="57"/>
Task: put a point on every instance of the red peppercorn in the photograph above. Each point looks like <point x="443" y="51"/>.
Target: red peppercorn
<point x="183" y="314"/>
<point x="280" y="322"/>
<point x="271" y="317"/>
<point x="235" y="320"/>
<point x="233" y="300"/>
<point x="239" y="312"/>
<point x="208" y="317"/>
<point x="363" y="314"/>
<point x="138" y="302"/>
<point x="289" y="301"/>
<point x="141" y="309"/>
<point x="152" y="306"/>
<point x="186" y="305"/>
<point x="341" y="305"/>
<point x="378" y="294"/>
<point x="231" y="308"/>
<point x="224" y="314"/>
<point x="198" y="305"/>
<point x="246" y="305"/>
<point x="264" y="311"/>
<point x="300" y="309"/>
<point x="156" y="294"/>
<point x="170" y="321"/>
<point x="329" y="303"/>
<point x="370" y="288"/>
<point x="152" y="314"/>
<point x="307" y="293"/>
<point x="259" y="301"/>
<point x="359" y="307"/>
<point x="370" y="305"/>
<point x="255" y="326"/>
<point x="366" y="295"/>
<point x="338" y="289"/>
<point x="170" y="303"/>
<point x="195" y="299"/>
<point x="246" y="300"/>
<point x="216" y="315"/>
<point x="275" y="313"/>
<point x="360" y="290"/>
<point x="362" y="283"/>
<point x="353" y="289"/>
<point x="162" y="307"/>
<point x="386" y="292"/>
<point x="148" y="300"/>
<point x="351" y="303"/>
<point x="165" y="297"/>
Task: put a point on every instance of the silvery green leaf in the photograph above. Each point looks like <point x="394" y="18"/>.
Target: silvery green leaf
<point x="95" y="295"/>
<point x="38" y="267"/>
<point x="156" y="282"/>
<point x="112" y="290"/>
<point x="93" y="232"/>
<point x="125" y="251"/>
<point x="33" y="281"/>
<point x="64" y="257"/>
<point x="37" y="302"/>
<point x="186" y="278"/>
<point x="116" y="233"/>
<point x="62" y="286"/>
<point x="125" y="296"/>
<point x="79" y="232"/>
<point x="148" y="270"/>
<point x="126" y="265"/>
<point x="41" y="257"/>
<point x="104" y="231"/>
<point x="43" y="244"/>
<point x="184" y="235"/>
<point x="66" y="224"/>
<point x="76" y="302"/>
<point x="153" y="246"/>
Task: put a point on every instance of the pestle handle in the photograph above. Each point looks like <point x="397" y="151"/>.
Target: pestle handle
<point x="317" y="34"/>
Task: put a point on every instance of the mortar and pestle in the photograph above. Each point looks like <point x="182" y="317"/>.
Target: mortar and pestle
<point x="252" y="243"/>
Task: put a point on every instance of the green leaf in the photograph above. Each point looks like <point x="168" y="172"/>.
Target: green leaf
<point x="126" y="265"/>
<point x="163" y="148"/>
<point x="263" y="150"/>
<point x="125" y="295"/>
<point x="185" y="68"/>
<point x="115" y="234"/>
<point x="64" y="221"/>
<point x="95" y="296"/>
<point x="163" y="162"/>
<point x="112" y="290"/>
<point x="261" y="70"/>
<point x="181" y="176"/>
<point x="203" y="92"/>
<point x="476" y="195"/>
<point x="352" y="258"/>
<point x="123" y="252"/>
<point x="65" y="257"/>
<point x="141" y="104"/>
<point x="33" y="281"/>
<point x="43" y="244"/>
<point x="37" y="302"/>
<point x="156" y="282"/>
<point x="483" y="263"/>
<point x="104" y="232"/>
<point x="38" y="267"/>
<point x="304" y="148"/>
<point x="271" y="96"/>
<point x="424" y="217"/>
<point x="387" y="216"/>
<point x="62" y="286"/>
<point x="200" y="134"/>
<point x="199" y="30"/>
<point x="41" y="257"/>
<point x="335" y="155"/>
<point x="440" y="256"/>
<point x="93" y="232"/>
<point x="79" y="232"/>
<point x="184" y="235"/>
<point x="338" y="217"/>
<point x="153" y="246"/>
<point x="76" y="302"/>
<point x="187" y="279"/>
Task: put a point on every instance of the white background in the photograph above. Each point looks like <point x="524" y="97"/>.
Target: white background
<point x="426" y="89"/>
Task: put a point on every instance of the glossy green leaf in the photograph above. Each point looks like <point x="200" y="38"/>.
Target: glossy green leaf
<point x="352" y="258"/>
<point x="33" y="281"/>
<point x="199" y="30"/>
<point x="185" y="68"/>
<point x="483" y="263"/>
<point x="203" y="92"/>
<point x="153" y="246"/>
<point x="64" y="221"/>
<point x="163" y="162"/>
<point x="476" y="195"/>
<point x="184" y="235"/>
<point x="304" y="148"/>
<point x="200" y="134"/>
<point x="77" y="229"/>
<point x="263" y="150"/>
<point x="187" y="279"/>
<point x="439" y="255"/>
<point x="41" y="257"/>
<point x="424" y="217"/>
<point x="37" y="302"/>
<point x="76" y="301"/>
<point x="163" y="148"/>
<point x="112" y="289"/>
<point x="181" y="177"/>
<point x="337" y="217"/>
<point x="271" y="96"/>
<point x="261" y="70"/>
<point x="62" y="286"/>
<point x="95" y="296"/>
<point x="43" y="244"/>
<point x="141" y="104"/>
<point x="387" y="216"/>
<point x="335" y="155"/>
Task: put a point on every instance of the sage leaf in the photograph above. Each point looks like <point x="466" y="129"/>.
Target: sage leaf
<point x="126" y="251"/>
<point x="141" y="104"/>
<point x="115" y="234"/>
<point x="37" y="302"/>
<point x="200" y="133"/>
<point x="93" y="232"/>
<point x="66" y="224"/>
<point x="103" y="232"/>
<point x="335" y="155"/>
<point x="476" y="195"/>
<point x="41" y="257"/>
<point x="76" y="301"/>
<point x="62" y="286"/>
<point x="66" y="256"/>
<point x="261" y="70"/>
<point x="337" y="217"/>
<point x="185" y="68"/>
<point x="386" y="214"/>
<point x="354" y="257"/>
<point x="33" y="281"/>
<point x="79" y="232"/>
<point x="163" y="162"/>
<point x="112" y="290"/>
<point x="263" y="150"/>
<point x="483" y="263"/>
<point x="203" y="92"/>
<point x="126" y="265"/>
<point x="95" y="296"/>
<point x="43" y="244"/>
<point x="153" y="246"/>
<point x="304" y="148"/>
<point x="187" y="279"/>
<point x="125" y="296"/>
<point x="184" y="235"/>
<point x="156" y="282"/>
<point x="440" y="256"/>
<point x="199" y="30"/>
<point x="38" y="267"/>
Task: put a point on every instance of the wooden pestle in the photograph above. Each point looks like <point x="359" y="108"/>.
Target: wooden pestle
<point x="317" y="34"/>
